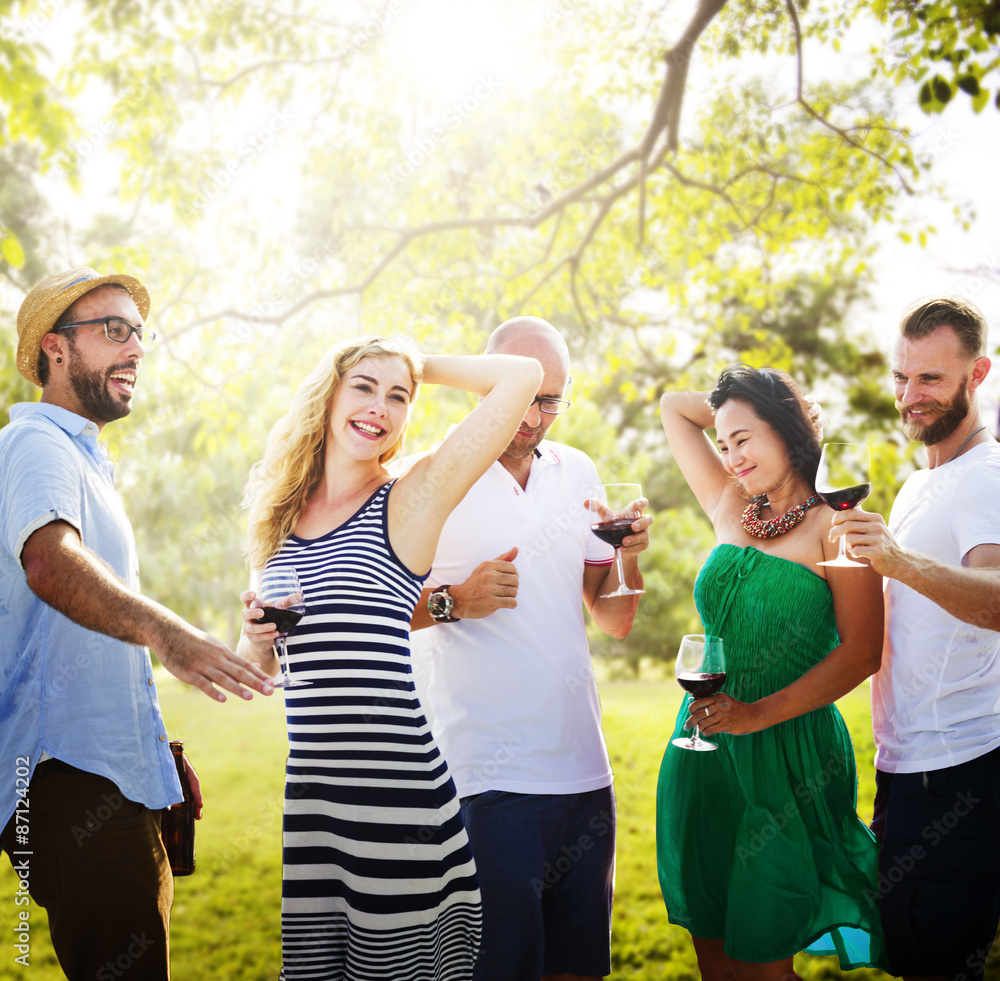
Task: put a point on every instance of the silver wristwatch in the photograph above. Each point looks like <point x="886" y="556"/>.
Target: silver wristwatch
<point x="440" y="603"/>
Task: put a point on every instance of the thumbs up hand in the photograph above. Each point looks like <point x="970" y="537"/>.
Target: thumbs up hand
<point x="491" y="587"/>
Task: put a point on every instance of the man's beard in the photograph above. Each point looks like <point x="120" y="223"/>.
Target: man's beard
<point x="91" y="388"/>
<point x="953" y="415"/>
<point x="520" y="448"/>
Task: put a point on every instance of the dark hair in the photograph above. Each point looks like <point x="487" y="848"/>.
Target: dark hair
<point x="67" y="317"/>
<point x="964" y="318"/>
<point x="777" y="400"/>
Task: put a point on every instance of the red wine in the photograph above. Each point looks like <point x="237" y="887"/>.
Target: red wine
<point x="284" y="620"/>
<point x="846" y="497"/>
<point x="700" y="684"/>
<point x="613" y="532"/>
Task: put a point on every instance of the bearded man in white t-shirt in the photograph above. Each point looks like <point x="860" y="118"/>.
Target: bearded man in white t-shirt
<point x="511" y="687"/>
<point x="936" y="698"/>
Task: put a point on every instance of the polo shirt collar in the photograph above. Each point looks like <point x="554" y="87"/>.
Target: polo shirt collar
<point x="547" y="453"/>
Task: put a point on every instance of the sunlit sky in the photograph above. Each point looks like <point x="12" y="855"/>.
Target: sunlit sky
<point x="446" y="45"/>
<point x="966" y="149"/>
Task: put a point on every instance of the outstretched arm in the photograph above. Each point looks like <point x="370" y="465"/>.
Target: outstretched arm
<point x="970" y="593"/>
<point x="62" y="572"/>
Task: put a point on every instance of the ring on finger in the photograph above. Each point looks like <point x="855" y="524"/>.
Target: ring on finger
<point x="706" y="712"/>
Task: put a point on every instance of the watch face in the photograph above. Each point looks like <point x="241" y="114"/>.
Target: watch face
<point x="441" y="604"/>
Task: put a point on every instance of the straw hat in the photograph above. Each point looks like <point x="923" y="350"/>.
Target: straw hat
<point x="51" y="298"/>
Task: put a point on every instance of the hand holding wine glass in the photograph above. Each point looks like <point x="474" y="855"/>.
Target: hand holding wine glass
<point x="284" y="605"/>
<point x="843" y="481"/>
<point x="700" y="669"/>
<point x="618" y="507"/>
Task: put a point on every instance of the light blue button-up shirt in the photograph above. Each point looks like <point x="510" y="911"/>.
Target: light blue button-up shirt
<point x="78" y="695"/>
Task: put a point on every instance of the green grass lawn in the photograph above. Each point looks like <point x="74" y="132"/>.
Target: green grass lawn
<point x="225" y="921"/>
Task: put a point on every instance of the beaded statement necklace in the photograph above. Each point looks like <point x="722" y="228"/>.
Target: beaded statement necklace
<point x="776" y="526"/>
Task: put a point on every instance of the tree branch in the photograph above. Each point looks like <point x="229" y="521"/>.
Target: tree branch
<point x="649" y="154"/>
<point x="667" y="113"/>
<point x="800" y="99"/>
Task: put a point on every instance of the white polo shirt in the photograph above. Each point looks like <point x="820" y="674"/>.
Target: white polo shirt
<point x="513" y="695"/>
<point x="936" y="698"/>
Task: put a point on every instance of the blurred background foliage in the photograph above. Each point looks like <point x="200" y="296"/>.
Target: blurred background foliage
<point x="675" y="185"/>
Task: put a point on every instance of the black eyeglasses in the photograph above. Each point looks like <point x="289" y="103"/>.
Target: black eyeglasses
<point x="552" y="406"/>
<point x="117" y="330"/>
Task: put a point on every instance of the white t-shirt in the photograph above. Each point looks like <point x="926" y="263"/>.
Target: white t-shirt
<point x="936" y="698"/>
<point x="512" y="695"/>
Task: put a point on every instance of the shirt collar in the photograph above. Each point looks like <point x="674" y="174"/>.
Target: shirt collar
<point x="68" y="421"/>
<point x="547" y="453"/>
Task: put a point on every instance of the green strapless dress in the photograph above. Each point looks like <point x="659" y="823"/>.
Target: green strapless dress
<point x="759" y="843"/>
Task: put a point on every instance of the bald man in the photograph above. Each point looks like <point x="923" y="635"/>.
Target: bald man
<point x="511" y="687"/>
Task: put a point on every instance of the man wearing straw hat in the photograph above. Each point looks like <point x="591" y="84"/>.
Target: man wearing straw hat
<point x="81" y="723"/>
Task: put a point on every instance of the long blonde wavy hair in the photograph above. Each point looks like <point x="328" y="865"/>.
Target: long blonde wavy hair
<point x="292" y="466"/>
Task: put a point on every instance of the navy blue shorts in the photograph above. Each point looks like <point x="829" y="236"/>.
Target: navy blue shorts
<point x="546" y="871"/>
<point x="939" y="868"/>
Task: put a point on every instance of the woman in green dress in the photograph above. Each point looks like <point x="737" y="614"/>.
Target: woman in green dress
<point x="760" y="850"/>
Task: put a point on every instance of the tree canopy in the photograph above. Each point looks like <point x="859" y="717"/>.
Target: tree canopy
<point x="675" y="186"/>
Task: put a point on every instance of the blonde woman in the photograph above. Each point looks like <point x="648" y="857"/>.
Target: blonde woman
<point x="379" y="880"/>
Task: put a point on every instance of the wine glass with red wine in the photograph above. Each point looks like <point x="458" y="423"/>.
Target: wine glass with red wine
<point x="284" y="605"/>
<point x="843" y="481"/>
<point x="617" y="506"/>
<point x="700" y="670"/>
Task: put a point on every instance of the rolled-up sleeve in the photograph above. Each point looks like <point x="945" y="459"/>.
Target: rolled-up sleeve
<point x="40" y="481"/>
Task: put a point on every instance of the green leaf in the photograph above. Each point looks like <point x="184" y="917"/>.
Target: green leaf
<point x="926" y="95"/>
<point x="969" y="83"/>
<point x="979" y="101"/>
<point x="942" y="90"/>
<point x="978" y="43"/>
<point x="11" y="250"/>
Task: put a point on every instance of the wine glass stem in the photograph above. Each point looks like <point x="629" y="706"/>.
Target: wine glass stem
<point x="696" y="737"/>
<point x="283" y="658"/>
<point x="842" y="553"/>
<point x="621" y="571"/>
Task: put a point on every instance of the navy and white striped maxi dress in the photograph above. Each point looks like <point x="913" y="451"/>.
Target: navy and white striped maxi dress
<point x="378" y="878"/>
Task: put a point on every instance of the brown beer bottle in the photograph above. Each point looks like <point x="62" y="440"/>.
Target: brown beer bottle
<point x="177" y="821"/>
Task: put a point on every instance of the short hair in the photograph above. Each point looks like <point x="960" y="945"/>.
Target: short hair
<point x="532" y="328"/>
<point x="966" y="319"/>
<point x="67" y="317"/>
<point x="777" y="400"/>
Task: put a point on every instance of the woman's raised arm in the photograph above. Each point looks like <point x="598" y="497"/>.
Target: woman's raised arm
<point x="426" y="494"/>
<point x="685" y="417"/>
